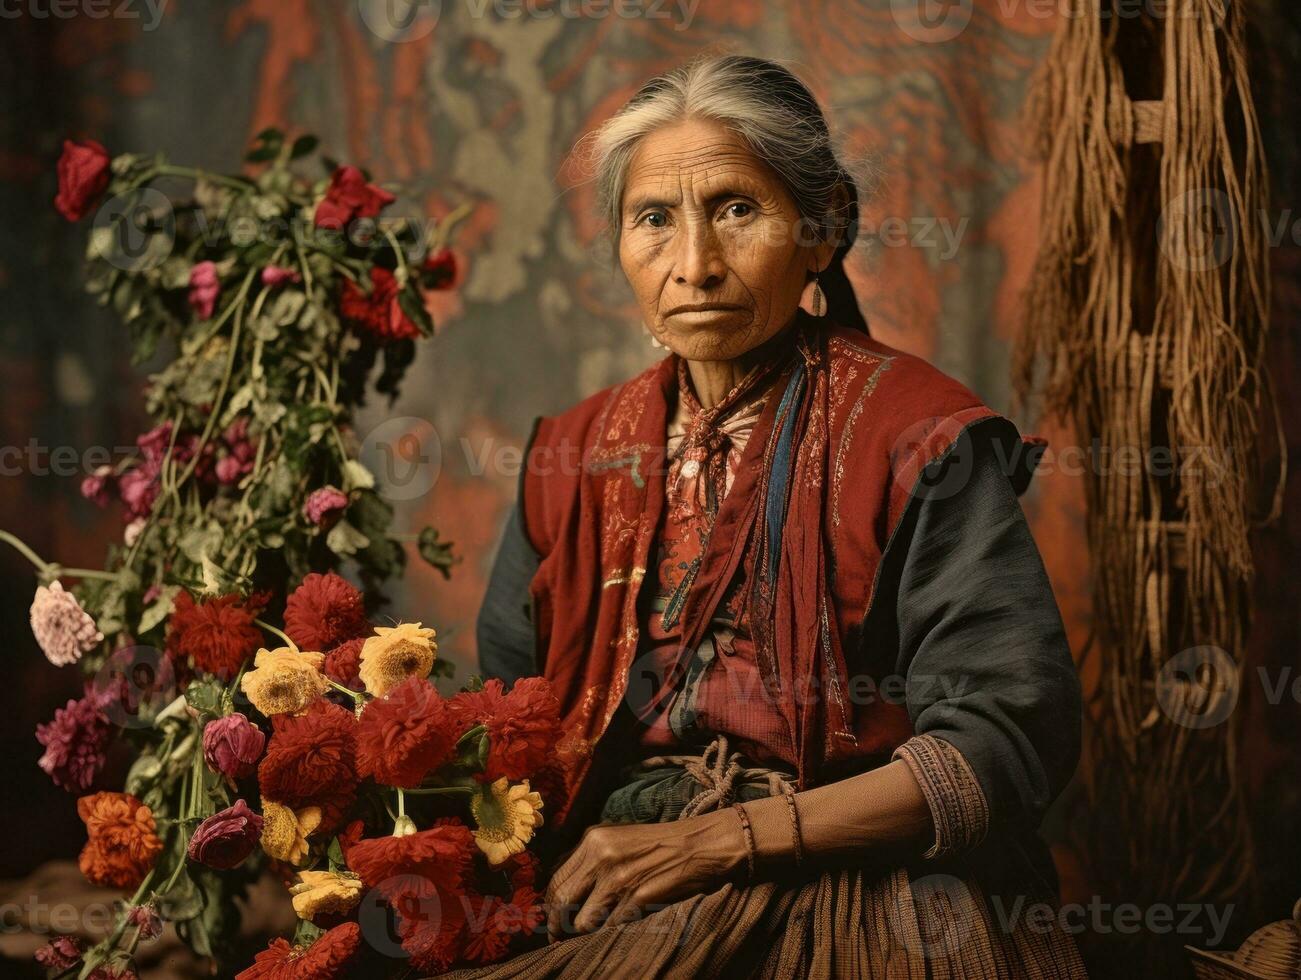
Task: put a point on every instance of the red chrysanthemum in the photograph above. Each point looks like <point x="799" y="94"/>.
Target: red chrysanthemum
<point x="217" y="634"/>
<point x="343" y="663"/>
<point x="325" y="959"/>
<point x="523" y="726"/>
<point x="431" y="859"/>
<point x="431" y="926"/>
<point x="494" y="922"/>
<point x="311" y="760"/>
<point x="324" y="611"/>
<point x="402" y="736"/>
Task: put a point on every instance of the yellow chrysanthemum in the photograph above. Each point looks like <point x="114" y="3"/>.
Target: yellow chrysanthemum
<point x="507" y="816"/>
<point x="395" y="653"/>
<point x="285" y="833"/>
<point x="284" y="680"/>
<point x="325" y="892"/>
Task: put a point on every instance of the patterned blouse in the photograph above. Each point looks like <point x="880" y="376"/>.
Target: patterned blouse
<point x="689" y="696"/>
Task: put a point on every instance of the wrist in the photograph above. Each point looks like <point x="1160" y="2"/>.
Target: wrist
<point x="722" y="839"/>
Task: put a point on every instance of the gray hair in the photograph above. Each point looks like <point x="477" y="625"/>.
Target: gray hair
<point x="763" y="103"/>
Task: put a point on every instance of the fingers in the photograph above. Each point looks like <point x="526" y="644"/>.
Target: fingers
<point x="568" y="886"/>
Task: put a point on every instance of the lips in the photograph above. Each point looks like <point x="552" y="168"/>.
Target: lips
<point x="704" y="308"/>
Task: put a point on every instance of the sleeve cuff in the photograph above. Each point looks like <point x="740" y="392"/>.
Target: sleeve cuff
<point x="958" y="807"/>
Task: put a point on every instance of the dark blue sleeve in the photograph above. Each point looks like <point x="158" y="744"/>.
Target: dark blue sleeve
<point x="981" y="641"/>
<point x="504" y="631"/>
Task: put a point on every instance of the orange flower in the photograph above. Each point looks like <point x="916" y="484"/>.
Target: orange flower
<point x="122" y="843"/>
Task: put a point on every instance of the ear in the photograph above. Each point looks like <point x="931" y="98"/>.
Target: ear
<point x="820" y="255"/>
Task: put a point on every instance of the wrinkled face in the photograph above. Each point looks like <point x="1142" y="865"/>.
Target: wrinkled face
<point x="712" y="243"/>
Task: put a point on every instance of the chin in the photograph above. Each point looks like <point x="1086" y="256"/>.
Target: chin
<point x="725" y="341"/>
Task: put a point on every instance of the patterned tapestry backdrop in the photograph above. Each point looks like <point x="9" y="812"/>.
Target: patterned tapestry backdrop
<point x="483" y="108"/>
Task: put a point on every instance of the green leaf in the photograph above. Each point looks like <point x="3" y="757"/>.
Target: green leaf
<point x="159" y="609"/>
<point x="142" y="773"/>
<point x="335" y="855"/>
<point x="437" y="553"/>
<point x="204" y="696"/>
<point x="183" y="901"/>
<point x="413" y="306"/>
<point x="303" y="146"/>
<point x="344" y="539"/>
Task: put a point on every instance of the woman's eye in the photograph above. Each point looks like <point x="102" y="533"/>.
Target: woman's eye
<point x="738" y="209"/>
<point x="656" y="219"/>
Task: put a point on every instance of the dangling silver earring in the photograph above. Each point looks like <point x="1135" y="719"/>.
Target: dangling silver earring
<point x="817" y="295"/>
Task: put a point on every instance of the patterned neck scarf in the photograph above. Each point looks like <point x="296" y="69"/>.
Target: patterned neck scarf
<point x="704" y="444"/>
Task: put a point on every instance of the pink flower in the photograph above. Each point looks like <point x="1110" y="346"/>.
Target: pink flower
<point x="63" y="629"/>
<point x="139" y="487"/>
<point x="96" y="486"/>
<point x="230" y="469"/>
<point x="204" y="287"/>
<point x="153" y="444"/>
<point x="75" y="743"/>
<point x="324" y="506"/>
<point x="60" y="953"/>
<point x="225" y="839"/>
<point x="278" y="275"/>
<point x="232" y="746"/>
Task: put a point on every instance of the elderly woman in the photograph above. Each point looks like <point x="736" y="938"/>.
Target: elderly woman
<point x="816" y="686"/>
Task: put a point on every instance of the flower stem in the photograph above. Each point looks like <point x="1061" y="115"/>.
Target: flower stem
<point x="442" y="791"/>
<point x="49" y="570"/>
<point x="271" y="629"/>
<point x="170" y="170"/>
<point x="473" y="734"/>
<point x="21" y="547"/>
<point x="357" y="698"/>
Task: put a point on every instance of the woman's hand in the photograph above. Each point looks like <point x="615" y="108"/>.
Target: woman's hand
<point x="618" y="870"/>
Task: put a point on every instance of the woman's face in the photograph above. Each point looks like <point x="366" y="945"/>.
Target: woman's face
<point x="712" y="242"/>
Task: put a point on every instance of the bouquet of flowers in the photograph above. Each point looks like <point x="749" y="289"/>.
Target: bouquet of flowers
<point x="320" y="747"/>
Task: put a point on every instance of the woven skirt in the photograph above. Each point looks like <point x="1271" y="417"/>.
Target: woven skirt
<point x="837" y="922"/>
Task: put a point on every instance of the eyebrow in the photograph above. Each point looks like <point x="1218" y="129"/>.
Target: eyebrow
<point x="643" y="201"/>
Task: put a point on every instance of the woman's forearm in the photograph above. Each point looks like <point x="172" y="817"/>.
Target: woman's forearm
<point x="879" y="810"/>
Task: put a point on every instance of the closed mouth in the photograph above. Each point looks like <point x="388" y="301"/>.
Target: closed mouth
<point x="702" y="307"/>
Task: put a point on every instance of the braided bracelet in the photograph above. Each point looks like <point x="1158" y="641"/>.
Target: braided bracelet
<point x="796" y="835"/>
<point x="749" y="838"/>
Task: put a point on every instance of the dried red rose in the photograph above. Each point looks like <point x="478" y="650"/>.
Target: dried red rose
<point x="349" y="196"/>
<point x="324" y="611"/>
<point x="439" y="269"/>
<point x="377" y="312"/>
<point x="232" y="746"/>
<point x="402" y="737"/>
<point x="226" y="838"/>
<point x="312" y="761"/>
<point x="83" y="178"/>
<point x="218" y="634"/>
<point x="523" y="726"/>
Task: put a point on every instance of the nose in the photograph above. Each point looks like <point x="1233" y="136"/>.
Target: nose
<point x="700" y="259"/>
